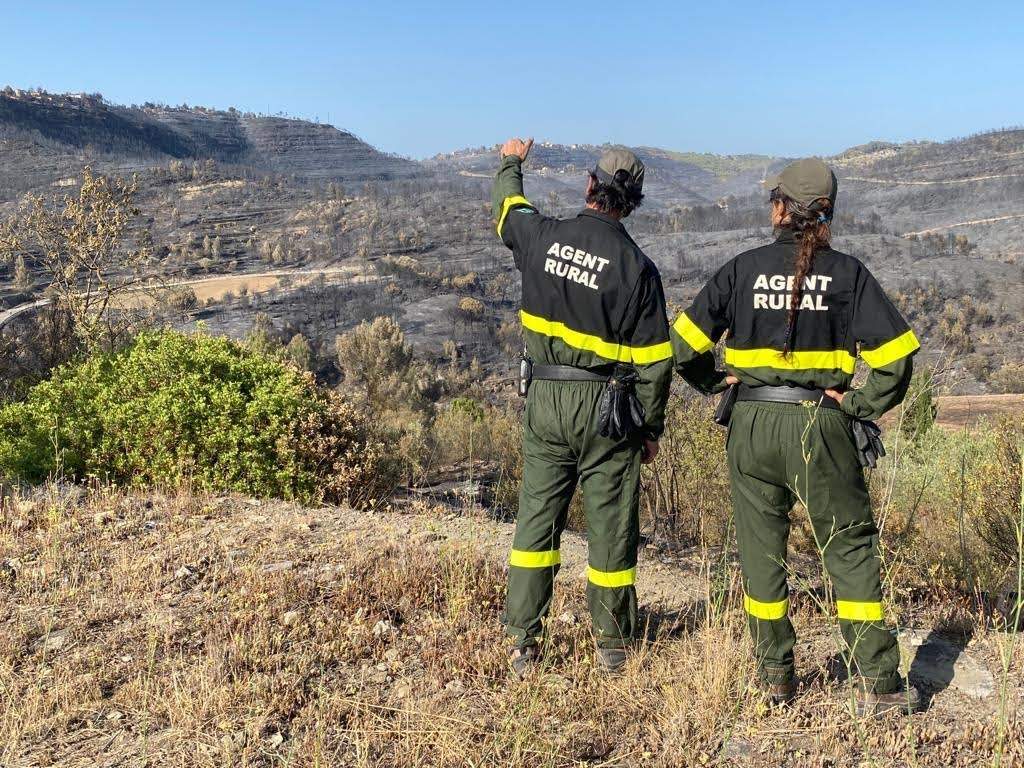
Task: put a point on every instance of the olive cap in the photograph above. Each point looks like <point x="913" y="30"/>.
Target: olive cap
<point x="620" y="159"/>
<point x="805" y="181"/>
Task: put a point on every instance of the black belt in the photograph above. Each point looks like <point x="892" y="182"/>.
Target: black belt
<point x="567" y="373"/>
<point x="793" y="395"/>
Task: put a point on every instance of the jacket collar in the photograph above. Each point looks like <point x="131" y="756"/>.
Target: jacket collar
<point x="785" y="237"/>
<point x="591" y="213"/>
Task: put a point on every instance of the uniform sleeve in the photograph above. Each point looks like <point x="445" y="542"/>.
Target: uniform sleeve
<point x="887" y="344"/>
<point x="515" y="217"/>
<point x="697" y="330"/>
<point x="645" y="330"/>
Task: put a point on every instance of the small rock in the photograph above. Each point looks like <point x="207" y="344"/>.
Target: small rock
<point x="382" y="628"/>
<point x="184" y="573"/>
<point x="381" y="667"/>
<point x="938" y="663"/>
<point x="55" y="640"/>
<point x="392" y="654"/>
<point x="275" y="740"/>
<point x="455" y="686"/>
<point x="284" y="565"/>
<point x="290" y="618"/>
<point x="115" y="715"/>
<point x="103" y="517"/>
<point x="567" y="618"/>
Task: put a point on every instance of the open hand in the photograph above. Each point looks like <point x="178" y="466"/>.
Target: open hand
<point x="837" y="396"/>
<point x="516" y="147"/>
<point x="650" y="451"/>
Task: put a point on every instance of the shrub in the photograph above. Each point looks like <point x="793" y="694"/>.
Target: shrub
<point x="174" y="408"/>
<point x="919" y="408"/>
<point x="949" y="509"/>
<point x="467" y="282"/>
<point x="471" y="309"/>
<point x="1008" y="380"/>
<point x="374" y="356"/>
<point x="686" y="493"/>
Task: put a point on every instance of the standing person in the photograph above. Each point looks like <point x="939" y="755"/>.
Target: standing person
<point x="797" y="312"/>
<point x="596" y="336"/>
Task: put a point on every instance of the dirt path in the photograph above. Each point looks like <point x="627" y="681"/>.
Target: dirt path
<point x="217" y="286"/>
<point x="944" y="227"/>
<point x="956" y="411"/>
<point x="670" y="583"/>
<point x="932" y="182"/>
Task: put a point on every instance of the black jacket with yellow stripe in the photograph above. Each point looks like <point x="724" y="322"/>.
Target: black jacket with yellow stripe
<point x="843" y="312"/>
<point x="590" y="298"/>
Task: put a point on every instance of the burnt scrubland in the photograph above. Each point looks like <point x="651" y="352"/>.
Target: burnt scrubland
<point x="259" y="459"/>
<point x="194" y="626"/>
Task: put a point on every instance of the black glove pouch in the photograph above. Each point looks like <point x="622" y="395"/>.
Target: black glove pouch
<point x="867" y="437"/>
<point x="620" y="413"/>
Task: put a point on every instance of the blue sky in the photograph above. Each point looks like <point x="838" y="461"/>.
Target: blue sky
<point x="420" y="78"/>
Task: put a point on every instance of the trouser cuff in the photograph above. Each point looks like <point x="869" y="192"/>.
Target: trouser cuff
<point x="882" y="685"/>
<point x="777" y="675"/>
<point x="613" y="642"/>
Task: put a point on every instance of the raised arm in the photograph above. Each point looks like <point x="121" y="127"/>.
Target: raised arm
<point x="507" y="192"/>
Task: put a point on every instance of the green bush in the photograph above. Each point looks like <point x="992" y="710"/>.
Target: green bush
<point x="685" y="496"/>
<point x="175" y="408"/>
<point x="919" y="408"/>
<point x="950" y="509"/>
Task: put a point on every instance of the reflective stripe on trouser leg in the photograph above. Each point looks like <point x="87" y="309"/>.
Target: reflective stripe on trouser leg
<point x="839" y="507"/>
<point x="761" y="503"/>
<point x="766" y="611"/>
<point x="549" y="479"/>
<point x="520" y="559"/>
<point x="612" y="579"/>
<point x="610" y="476"/>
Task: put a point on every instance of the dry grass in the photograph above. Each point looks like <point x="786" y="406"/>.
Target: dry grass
<point x="202" y="631"/>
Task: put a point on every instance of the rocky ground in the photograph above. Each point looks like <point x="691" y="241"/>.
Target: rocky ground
<point x="204" y="630"/>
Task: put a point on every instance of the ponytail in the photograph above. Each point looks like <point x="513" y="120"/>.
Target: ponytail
<point x="811" y="224"/>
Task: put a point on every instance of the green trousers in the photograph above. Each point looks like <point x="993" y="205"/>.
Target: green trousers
<point x="779" y="454"/>
<point x="561" y="447"/>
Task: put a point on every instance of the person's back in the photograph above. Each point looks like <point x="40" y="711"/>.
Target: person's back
<point x="795" y="314"/>
<point x="841" y="312"/>
<point x="584" y="282"/>
<point x="598" y="367"/>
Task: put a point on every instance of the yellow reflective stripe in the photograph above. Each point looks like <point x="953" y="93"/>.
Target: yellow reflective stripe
<point x="523" y="559"/>
<point x="766" y="611"/>
<point x="891" y="351"/>
<point x="612" y="578"/>
<point x="692" y="334"/>
<point x="507" y="206"/>
<point x="855" y="611"/>
<point x="827" y="360"/>
<point x="620" y="352"/>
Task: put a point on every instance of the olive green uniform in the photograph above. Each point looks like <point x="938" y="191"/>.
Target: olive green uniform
<point x="780" y="453"/>
<point x="590" y="299"/>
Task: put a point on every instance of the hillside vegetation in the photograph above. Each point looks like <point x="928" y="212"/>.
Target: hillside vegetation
<point x="210" y="630"/>
<point x="260" y="455"/>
